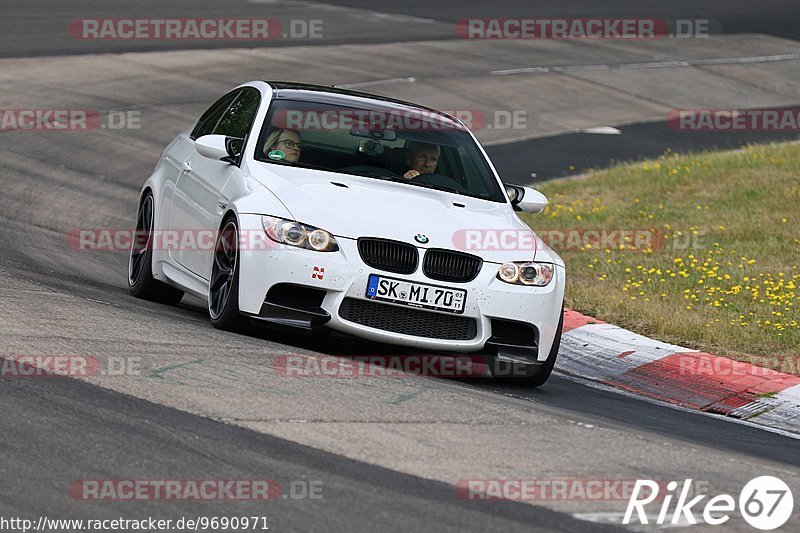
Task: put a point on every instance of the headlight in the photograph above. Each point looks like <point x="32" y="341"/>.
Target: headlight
<point x="297" y="234"/>
<point x="509" y="272"/>
<point x="319" y="239"/>
<point x="526" y="273"/>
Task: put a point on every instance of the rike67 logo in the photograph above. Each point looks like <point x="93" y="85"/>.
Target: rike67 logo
<point x="765" y="503"/>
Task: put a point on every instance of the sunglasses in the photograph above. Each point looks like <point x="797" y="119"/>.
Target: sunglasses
<point x="289" y="143"/>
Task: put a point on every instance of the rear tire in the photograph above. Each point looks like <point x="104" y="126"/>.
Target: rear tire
<point x="141" y="282"/>
<point x="531" y="376"/>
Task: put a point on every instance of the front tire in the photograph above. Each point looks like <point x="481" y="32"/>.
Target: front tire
<point x="141" y="282"/>
<point x="532" y="376"/>
<point x="223" y="289"/>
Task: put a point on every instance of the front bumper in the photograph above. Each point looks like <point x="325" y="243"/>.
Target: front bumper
<point x="343" y="276"/>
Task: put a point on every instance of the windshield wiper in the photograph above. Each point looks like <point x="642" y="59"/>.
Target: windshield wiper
<point x="383" y="176"/>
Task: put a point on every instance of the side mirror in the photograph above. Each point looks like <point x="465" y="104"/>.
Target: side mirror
<point x="219" y="147"/>
<point x="526" y="199"/>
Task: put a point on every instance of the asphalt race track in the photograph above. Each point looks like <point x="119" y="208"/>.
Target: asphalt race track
<point x="35" y="27"/>
<point x="198" y="403"/>
<point x="102" y="431"/>
<point x="575" y="153"/>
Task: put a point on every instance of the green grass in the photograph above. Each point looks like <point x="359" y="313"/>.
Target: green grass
<point x="724" y="278"/>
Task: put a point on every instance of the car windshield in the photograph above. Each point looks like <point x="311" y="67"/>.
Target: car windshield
<point x="412" y="146"/>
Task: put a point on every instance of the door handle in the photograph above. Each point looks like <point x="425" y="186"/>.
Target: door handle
<point x="186" y="167"/>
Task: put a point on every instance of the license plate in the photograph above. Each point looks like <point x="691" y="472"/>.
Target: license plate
<point x="420" y="295"/>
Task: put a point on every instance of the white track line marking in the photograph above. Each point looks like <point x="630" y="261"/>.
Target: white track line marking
<point x="602" y="130"/>
<point x="376" y="82"/>
<point x="654" y="64"/>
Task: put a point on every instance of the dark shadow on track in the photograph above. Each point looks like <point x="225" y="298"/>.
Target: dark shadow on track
<point x="552" y="157"/>
<point x="105" y="435"/>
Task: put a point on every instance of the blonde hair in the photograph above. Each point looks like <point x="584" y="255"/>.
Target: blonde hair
<point x="273" y="138"/>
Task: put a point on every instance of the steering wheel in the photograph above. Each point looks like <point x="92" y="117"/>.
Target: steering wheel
<point x="442" y="180"/>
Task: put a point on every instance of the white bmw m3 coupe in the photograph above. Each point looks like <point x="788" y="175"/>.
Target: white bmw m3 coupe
<point x="321" y="208"/>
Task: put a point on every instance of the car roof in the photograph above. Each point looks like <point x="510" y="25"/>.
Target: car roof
<point x="284" y="89"/>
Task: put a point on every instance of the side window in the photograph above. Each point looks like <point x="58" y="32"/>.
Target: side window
<point x="210" y="118"/>
<point x="238" y="119"/>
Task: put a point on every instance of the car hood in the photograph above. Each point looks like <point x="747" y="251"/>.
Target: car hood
<point x="356" y="206"/>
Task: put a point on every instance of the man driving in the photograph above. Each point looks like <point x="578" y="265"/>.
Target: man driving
<point x="422" y="158"/>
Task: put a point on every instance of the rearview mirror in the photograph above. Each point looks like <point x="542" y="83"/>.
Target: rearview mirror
<point x="373" y="132"/>
<point x="219" y="147"/>
<point x="526" y="199"/>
